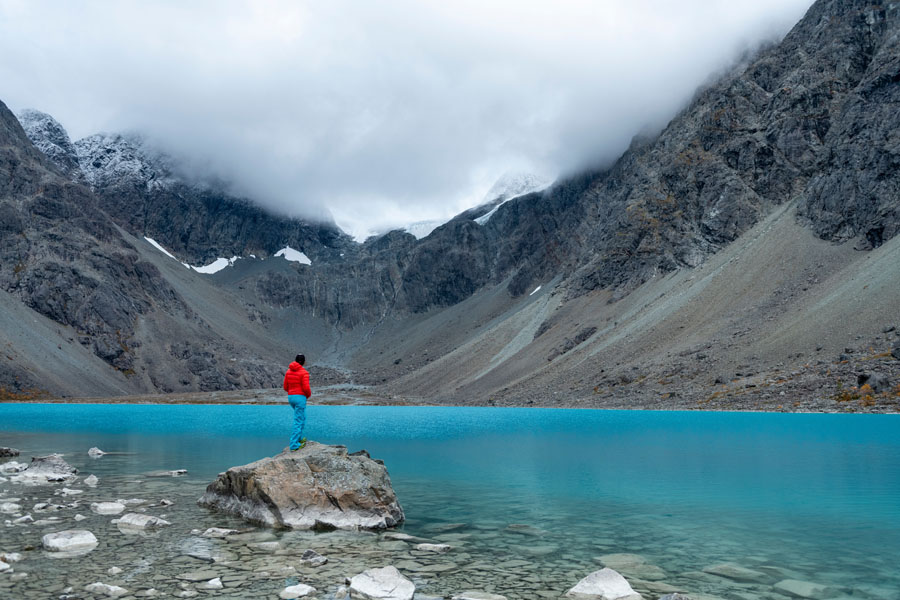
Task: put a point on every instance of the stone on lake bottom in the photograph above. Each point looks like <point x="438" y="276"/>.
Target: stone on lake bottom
<point x="316" y="487"/>
<point x="296" y="591"/>
<point x="212" y="584"/>
<point x="72" y="540"/>
<point x="218" y="532"/>
<point x="311" y="558"/>
<point x="604" y="584"/>
<point x="804" y="589"/>
<point x="386" y="583"/>
<point x="95" y="452"/>
<point x="737" y="573"/>
<point x="113" y="591"/>
<point x="4" y="566"/>
<point x="478" y="596"/>
<point x="675" y="596"/>
<point x="107" y="508"/>
<point x="91" y="481"/>
<point x="196" y="576"/>
<point x="172" y="473"/>
<point x="138" y="522"/>
<point x="438" y="548"/>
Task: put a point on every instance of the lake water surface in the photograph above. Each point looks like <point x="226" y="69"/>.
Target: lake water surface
<point x="789" y="496"/>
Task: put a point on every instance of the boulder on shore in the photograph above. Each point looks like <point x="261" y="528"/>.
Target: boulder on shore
<point x="386" y="583"/>
<point x="316" y="487"/>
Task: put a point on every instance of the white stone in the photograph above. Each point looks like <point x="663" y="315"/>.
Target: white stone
<point x="386" y="583"/>
<point x="4" y="566"/>
<point x="438" y="548"/>
<point x="186" y="594"/>
<point x="91" y="481"/>
<point x="131" y="501"/>
<point x="80" y="517"/>
<point x="604" y="584"/>
<point x="212" y="584"/>
<point x="72" y="540"/>
<point x="11" y="557"/>
<point x="18" y="576"/>
<point x="113" y="591"/>
<point x="139" y="522"/>
<point x="218" y="532"/>
<point x="296" y="591"/>
<point x="107" y="508"/>
<point x="95" y="452"/>
<point x="165" y="502"/>
<point x="24" y="520"/>
<point x="10" y="508"/>
<point x="478" y="596"/>
<point x="804" y="589"/>
<point x="172" y="473"/>
<point x="69" y="492"/>
<point x="13" y="467"/>
<point x="114" y="570"/>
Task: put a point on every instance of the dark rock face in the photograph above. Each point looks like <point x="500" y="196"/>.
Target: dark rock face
<point x="316" y="487"/>
<point x="52" y="139"/>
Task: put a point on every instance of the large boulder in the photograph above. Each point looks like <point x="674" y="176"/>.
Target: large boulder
<point x="316" y="487"/>
<point x="47" y="469"/>
<point x="7" y="452"/>
<point x="72" y="540"/>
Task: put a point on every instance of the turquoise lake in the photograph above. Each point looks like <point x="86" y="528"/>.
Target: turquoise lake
<point x="796" y="496"/>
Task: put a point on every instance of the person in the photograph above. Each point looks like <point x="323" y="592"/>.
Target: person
<point x="296" y="384"/>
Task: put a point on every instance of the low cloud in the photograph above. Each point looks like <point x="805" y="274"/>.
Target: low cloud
<point x="381" y="113"/>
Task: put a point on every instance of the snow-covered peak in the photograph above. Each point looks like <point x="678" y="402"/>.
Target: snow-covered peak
<point x="508" y="187"/>
<point x="113" y="159"/>
<point x="52" y="139"/>
<point x="423" y="229"/>
<point x="513" y="184"/>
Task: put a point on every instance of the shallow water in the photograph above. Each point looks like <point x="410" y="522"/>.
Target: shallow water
<point x="790" y="496"/>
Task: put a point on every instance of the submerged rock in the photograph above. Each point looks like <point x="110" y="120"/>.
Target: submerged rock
<point x="311" y="558"/>
<point x="133" y="522"/>
<point x="804" y="589"/>
<point x="91" y="481"/>
<point x="7" y="452"/>
<point x="604" y="584"/>
<point x="386" y="583"/>
<point x="95" y="452"/>
<point x="113" y="591"/>
<point x="737" y="573"/>
<point x="478" y="596"/>
<point x="317" y="487"/>
<point x="296" y="591"/>
<point x="172" y="473"/>
<point x="46" y="469"/>
<point x="107" y="508"/>
<point x="72" y="540"/>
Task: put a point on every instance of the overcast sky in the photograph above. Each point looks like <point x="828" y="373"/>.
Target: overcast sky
<point x="384" y="113"/>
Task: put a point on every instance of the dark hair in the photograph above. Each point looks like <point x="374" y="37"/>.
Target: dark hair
<point x="300" y="359"/>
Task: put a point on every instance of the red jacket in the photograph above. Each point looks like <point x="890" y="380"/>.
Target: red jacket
<point x="296" y="380"/>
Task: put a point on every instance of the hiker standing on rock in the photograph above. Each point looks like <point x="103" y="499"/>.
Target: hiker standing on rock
<point x="296" y="384"/>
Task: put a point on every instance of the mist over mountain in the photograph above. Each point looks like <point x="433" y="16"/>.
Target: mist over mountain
<point x="379" y="116"/>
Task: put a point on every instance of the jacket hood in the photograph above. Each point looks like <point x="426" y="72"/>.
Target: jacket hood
<point x="294" y="366"/>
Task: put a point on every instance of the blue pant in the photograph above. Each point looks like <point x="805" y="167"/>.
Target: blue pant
<point x="298" y="403"/>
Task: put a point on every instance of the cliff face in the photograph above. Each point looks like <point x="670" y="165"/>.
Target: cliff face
<point x="810" y="122"/>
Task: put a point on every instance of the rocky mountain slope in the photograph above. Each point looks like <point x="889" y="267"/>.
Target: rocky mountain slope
<point x="742" y="220"/>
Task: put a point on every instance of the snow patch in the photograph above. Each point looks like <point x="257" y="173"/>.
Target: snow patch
<point x="536" y="290"/>
<point x="293" y="255"/>
<point x="217" y="265"/>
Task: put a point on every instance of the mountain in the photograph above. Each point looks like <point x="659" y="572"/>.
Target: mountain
<point x="757" y="233"/>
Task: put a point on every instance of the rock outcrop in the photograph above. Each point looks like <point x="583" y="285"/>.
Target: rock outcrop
<point x="316" y="487"/>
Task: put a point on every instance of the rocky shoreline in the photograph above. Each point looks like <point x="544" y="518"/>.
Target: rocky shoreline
<point x="812" y="384"/>
<point x="73" y="537"/>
